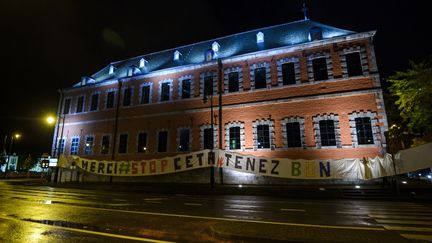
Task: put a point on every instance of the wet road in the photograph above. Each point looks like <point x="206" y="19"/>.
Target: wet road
<point x="30" y="212"/>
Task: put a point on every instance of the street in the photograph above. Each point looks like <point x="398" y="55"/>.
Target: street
<point x="33" y="212"/>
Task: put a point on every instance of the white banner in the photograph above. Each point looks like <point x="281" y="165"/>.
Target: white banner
<point x="413" y="159"/>
<point x="276" y="167"/>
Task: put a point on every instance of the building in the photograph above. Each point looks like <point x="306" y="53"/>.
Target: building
<point x="301" y="90"/>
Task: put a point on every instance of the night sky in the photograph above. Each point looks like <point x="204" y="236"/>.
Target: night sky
<point x="48" y="45"/>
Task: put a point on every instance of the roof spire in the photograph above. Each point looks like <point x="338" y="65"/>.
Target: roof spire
<point x="305" y="10"/>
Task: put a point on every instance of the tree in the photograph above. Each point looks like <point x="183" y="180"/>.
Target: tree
<point x="28" y="163"/>
<point x="413" y="91"/>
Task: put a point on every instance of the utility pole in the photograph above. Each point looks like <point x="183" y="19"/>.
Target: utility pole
<point x="220" y="82"/>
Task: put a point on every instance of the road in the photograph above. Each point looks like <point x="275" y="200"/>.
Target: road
<point x="31" y="212"/>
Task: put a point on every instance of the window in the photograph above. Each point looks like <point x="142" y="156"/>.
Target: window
<point x="234" y="138"/>
<point x="94" y="102"/>
<point x="319" y="66"/>
<point x="127" y="97"/>
<point x="315" y="33"/>
<point x="288" y="73"/>
<point x="327" y="132"/>
<point x="142" y="142"/>
<point x="353" y="62"/>
<point x="186" y="88"/>
<point x="184" y="140"/>
<point x="66" y="108"/>
<point x="162" y="141"/>
<point x="177" y="55"/>
<point x="105" y="144"/>
<point x="260" y="37"/>
<point x="233" y="82"/>
<point x="110" y="99"/>
<point x="165" y="91"/>
<point x="61" y="145"/>
<point x="142" y="63"/>
<point x="111" y="69"/>
<point x="263" y="135"/>
<point x="209" y="55"/>
<point x="293" y="134"/>
<point x="145" y="94"/>
<point x="88" y="149"/>
<point x="208" y="85"/>
<point x="260" y="78"/>
<point x="80" y="104"/>
<point x="74" y="146"/>
<point x="123" y="140"/>
<point x="208" y="138"/>
<point x="364" y="130"/>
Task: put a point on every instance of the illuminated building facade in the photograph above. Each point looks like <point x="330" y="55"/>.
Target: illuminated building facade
<point x="301" y="90"/>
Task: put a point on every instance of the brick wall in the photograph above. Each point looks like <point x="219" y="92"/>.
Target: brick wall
<point x="305" y="100"/>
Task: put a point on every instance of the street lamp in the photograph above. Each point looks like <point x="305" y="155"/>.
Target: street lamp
<point x="50" y="120"/>
<point x="212" y="179"/>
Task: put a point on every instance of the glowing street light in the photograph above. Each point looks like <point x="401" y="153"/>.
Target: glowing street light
<point x="50" y="120"/>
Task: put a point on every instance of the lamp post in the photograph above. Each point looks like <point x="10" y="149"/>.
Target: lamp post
<point x="212" y="178"/>
<point x="50" y="120"/>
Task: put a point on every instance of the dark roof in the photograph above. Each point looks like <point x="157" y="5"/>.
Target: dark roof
<point x="274" y="36"/>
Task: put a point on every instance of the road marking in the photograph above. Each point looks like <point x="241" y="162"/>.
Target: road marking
<point x="406" y="228"/>
<point x="118" y="204"/>
<point x="155" y="198"/>
<point x="390" y="221"/>
<point x="233" y="220"/>
<point x="89" y="231"/>
<point x="398" y="217"/>
<point x="193" y="204"/>
<point x="417" y="237"/>
<point x="119" y="200"/>
<point x="293" y="210"/>
<point x="385" y="213"/>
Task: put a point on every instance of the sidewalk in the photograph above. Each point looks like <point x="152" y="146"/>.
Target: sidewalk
<point x="413" y="190"/>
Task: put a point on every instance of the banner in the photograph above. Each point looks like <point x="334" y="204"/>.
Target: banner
<point x="413" y="159"/>
<point x="277" y="167"/>
<point x="307" y="169"/>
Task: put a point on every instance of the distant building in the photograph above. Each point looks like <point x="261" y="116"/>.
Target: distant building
<point x="301" y="90"/>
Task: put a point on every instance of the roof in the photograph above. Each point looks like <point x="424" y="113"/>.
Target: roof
<point x="237" y="44"/>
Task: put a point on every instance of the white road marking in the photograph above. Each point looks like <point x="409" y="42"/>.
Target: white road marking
<point x="193" y="204"/>
<point x="293" y="210"/>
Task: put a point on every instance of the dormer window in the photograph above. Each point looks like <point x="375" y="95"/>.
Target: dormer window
<point x="209" y="55"/>
<point x="215" y="47"/>
<point x="132" y="70"/>
<point x="142" y="63"/>
<point x="111" y="69"/>
<point x="177" y="55"/>
<point x="315" y="33"/>
<point x="86" y="80"/>
<point x="260" y="37"/>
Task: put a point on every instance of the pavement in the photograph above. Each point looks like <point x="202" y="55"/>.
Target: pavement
<point x="37" y="211"/>
<point x="408" y="189"/>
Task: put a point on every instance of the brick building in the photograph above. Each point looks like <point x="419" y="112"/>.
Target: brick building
<point x="301" y="90"/>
